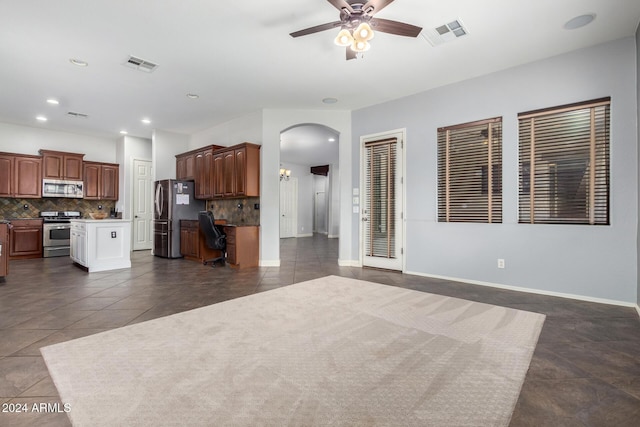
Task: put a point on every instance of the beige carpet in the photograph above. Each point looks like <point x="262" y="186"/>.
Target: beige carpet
<point x="331" y="351"/>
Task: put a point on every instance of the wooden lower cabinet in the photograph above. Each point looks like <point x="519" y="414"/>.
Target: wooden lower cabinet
<point x="4" y="249"/>
<point x="193" y="243"/>
<point x="25" y="239"/>
<point x="242" y="243"/>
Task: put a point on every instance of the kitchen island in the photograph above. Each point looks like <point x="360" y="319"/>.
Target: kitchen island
<point x="102" y="244"/>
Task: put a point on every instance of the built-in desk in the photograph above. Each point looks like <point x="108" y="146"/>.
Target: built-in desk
<point x="242" y="243"/>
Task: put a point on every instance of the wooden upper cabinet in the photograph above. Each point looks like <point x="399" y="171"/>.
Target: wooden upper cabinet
<point x="218" y="175"/>
<point x="27" y="177"/>
<point x="91" y="180"/>
<point x="110" y="181"/>
<point x="6" y="175"/>
<point x="61" y="165"/>
<point x="20" y="176"/>
<point x="186" y="166"/>
<point x="237" y="171"/>
<point x="101" y="181"/>
<point x="229" y="170"/>
<point x="222" y="172"/>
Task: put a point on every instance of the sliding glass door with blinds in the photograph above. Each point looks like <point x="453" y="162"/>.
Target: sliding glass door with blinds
<point x="564" y="164"/>
<point x="470" y="172"/>
<point x="382" y="203"/>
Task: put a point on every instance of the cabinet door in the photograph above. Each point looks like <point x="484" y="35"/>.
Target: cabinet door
<point x="26" y="241"/>
<point x="218" y="175"/>
<point x="229" y="171"/>
<point x="92" y="178"/>
<point x="186" y="167"/>
<point x="6" y="175"/>
<point x="109" y="183"/>
<point x="199" y="175"/>
<point x="52" y="166"/>
<point x="208" y="175"/>
<point x="72" y="167"/>
<point x="189" y="242"/>
<point x="240" y="175"/>
<point x="27" y="177"/>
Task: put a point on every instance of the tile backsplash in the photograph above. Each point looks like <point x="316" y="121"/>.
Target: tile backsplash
<point x="228" y="209"/>
<point x="15" y="208"/>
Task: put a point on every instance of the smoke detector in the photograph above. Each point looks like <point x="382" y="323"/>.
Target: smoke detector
<point x="445" y="32"/>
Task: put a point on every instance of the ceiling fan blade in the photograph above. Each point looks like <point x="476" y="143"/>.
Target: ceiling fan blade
<point x="342" y="4"/>
<point x="377" y="6"/>
<point x="351" y="54"/>
<point x="316" y="29"/>
<point x="394" y="27"/>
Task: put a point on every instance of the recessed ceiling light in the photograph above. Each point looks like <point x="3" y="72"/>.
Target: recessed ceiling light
<point x="330" y="100"/>
<point x="579" y="21"/>
<point x="332" y="139"/>
<point x="193" y="96"/>
<point x="78" y="62"/>
<point x="53" y="101"/>
<point x="124" y="132"/>
<point x="146" y="121"/>
<point x="41" y="118"/>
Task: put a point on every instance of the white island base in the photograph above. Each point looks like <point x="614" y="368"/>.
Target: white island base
<point x="100" y="245"/>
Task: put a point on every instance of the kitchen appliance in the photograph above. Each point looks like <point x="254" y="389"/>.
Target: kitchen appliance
<point x="174" y="200"/>
<point x="62" y="188"/>
<point x="56" y="232"/>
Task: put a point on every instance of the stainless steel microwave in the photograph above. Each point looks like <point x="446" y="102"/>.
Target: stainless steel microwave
<point x="62" y="188"/>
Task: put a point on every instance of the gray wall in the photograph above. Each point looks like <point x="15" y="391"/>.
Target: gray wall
<point x="638" y="122"/>
<point x="597" y="262"/>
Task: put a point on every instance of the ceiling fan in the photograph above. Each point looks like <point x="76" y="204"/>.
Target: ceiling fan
<point x="357" y="23"/>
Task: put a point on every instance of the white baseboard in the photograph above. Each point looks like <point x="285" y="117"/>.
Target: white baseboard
<point x="638" y="309"/>
<point x="349" y="263"/>
<point x="333" y="236"/>
<point x="305" y="235"/>
<point x="528" y="290"/>
<point x="269" y="263"/>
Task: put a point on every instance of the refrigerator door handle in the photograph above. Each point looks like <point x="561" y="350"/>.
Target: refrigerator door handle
<point x="158" y="199"/>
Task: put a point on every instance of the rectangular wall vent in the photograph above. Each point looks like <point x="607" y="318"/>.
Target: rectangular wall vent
<point x="445" y="33"/>
<point x="140" y="64"/>
<point x="77" y="115"/>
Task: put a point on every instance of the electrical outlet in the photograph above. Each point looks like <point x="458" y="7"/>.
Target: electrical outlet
<point x="500" y="263"/>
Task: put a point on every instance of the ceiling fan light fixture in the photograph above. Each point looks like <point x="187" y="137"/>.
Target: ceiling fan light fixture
<point x="360" y="46"/>
<point x="344" y="38"/>
<point x="363" y="32"/>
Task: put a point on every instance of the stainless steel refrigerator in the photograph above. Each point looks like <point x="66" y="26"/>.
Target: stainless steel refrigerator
<point x="173" y="201"/>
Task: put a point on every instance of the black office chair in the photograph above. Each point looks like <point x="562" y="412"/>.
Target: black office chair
<point x="216" y="239"/>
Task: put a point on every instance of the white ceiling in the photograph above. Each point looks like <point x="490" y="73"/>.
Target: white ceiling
<point x="239" y="58"/>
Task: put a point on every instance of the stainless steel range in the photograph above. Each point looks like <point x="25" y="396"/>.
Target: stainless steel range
<point x="56" y="232"/>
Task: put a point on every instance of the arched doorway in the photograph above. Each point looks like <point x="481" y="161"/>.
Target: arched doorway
<point x="315" y="206"/>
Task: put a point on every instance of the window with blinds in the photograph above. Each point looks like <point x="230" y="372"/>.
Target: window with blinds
<point x="380" y="198"/>
<point x="470" y="172"/>
<point x="564" y="164"/>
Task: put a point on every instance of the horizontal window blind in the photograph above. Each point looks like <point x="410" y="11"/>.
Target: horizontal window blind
<point x="564" y="164"/>
<point x="470" y="172"/>
<point x="380" y="202"/>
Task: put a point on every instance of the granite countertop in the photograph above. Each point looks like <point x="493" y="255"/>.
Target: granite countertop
<point x="101" y="220"/>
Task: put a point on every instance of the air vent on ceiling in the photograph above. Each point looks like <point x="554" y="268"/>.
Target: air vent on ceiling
<point x="140" y="64"/>
<point x="445" y="33"/>
<point x="77" y="115"/>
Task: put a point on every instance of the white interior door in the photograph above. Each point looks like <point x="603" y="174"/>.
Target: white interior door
<point x="288" y="208"/>
<point x="142" y="205"/>
<point x="382" y="201"/>
<point x="320" y="204"/>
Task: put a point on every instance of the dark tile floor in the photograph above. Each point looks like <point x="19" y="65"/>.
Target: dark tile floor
<point x="585" y="370"/>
